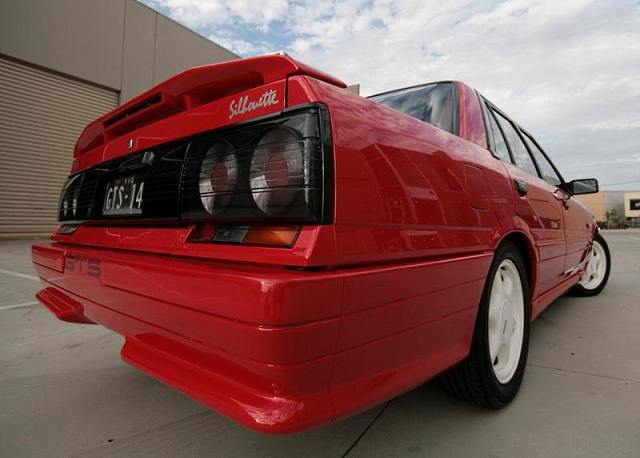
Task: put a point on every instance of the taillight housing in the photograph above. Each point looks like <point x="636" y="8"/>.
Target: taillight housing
<point x="275" y="170"/>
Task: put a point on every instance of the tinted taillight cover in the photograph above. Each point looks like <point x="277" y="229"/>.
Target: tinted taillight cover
<point x="219" y="176"/>
<point x="161" y="176"/>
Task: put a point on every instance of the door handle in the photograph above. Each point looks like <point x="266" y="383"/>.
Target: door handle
<point x="521" y="187"/>
<point x="559" y="195"/>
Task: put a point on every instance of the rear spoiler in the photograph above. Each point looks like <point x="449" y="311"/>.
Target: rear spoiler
<point x="191" y="88"/>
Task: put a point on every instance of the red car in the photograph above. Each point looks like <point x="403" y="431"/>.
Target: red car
<point x="289" y="253"/>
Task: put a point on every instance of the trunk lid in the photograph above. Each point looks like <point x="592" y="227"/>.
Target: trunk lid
<point x="198" y="99"/>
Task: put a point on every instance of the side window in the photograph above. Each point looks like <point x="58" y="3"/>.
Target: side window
<point x="518" y="149"/>
<point x="433" y="103"/>
<point x="548" y="172"/>
<point x="497" y="140"/>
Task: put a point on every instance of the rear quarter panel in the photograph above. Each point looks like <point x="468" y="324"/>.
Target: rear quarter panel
<point x="411" y="195"/>
<point x="405" y="189"/>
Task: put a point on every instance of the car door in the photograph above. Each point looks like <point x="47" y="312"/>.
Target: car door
<point x="578" y="223"/>
<point x="536" y="203"/>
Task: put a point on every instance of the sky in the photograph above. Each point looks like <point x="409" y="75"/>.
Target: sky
<point x="566" y="70"/>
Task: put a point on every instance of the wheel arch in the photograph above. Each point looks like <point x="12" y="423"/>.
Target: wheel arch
<point x="525" y="246"/>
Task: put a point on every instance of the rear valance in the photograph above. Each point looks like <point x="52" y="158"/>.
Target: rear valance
<point x="191" y="88"/>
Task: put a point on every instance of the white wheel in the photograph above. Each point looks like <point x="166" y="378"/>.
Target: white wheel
<point x="596" y="267"/>
<point x="492" y="373"/>
<point x="506" y="321"/>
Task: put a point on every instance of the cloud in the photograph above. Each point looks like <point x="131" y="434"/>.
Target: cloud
<point x="567" y="71"/>
<point x="240" y="46"/>
<point x="199" y="13"/>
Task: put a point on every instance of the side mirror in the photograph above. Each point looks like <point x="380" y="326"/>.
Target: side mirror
<point x="582" y="186"/>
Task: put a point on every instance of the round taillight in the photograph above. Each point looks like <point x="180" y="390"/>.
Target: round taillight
<point x="277" y="170"/>
<point x="218" y="176"/>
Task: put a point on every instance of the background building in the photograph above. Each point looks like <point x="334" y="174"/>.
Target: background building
<point x="595" y="204"/>
<point x="632" y="208"/>
<point x="62" y="64"/>
<point x="604" y="202"/>
<point x="614" y="208"/>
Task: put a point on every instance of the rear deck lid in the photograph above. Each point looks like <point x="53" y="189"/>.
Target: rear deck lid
<point x="188" y="91"/>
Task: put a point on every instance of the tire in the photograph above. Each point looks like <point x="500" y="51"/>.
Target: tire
<point x="589" y="286"/>
<point x="481" y="378"/>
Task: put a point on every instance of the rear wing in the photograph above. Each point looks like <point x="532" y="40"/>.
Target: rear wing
<point x="192" y="88"/>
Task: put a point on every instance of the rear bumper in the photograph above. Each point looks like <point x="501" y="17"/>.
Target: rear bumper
<point x="275" y="398"/>
<point x="278" y="350"/>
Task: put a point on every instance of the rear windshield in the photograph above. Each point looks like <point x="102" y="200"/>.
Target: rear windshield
<point x="432" y="103"/>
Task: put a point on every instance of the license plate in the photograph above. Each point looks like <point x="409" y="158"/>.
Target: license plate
<point x="123" y="196"/>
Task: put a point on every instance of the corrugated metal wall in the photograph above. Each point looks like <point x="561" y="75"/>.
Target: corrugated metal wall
<point x="41" y="116"/>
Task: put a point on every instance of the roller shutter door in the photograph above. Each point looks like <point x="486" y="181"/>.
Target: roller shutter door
<point x="41" y="116"/>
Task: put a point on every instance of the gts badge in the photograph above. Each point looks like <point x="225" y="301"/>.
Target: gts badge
<point x="242" y="105"/>
<point x="82" y="265"/>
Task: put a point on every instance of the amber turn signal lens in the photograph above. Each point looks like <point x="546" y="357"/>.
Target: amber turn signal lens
<point x="271" y="235"/>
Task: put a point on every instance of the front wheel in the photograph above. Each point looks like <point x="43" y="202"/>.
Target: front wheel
<point x="596" y="274"/>
<point x="492" y="373"/>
